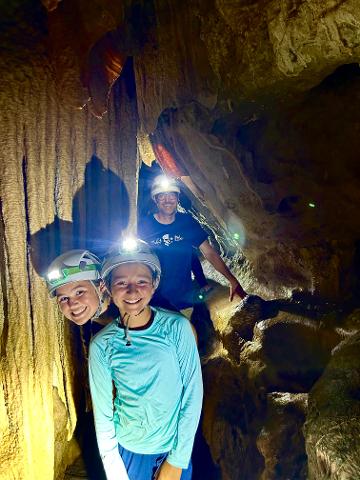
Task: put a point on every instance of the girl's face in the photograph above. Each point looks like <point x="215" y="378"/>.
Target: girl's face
<point x="131" y="287"/>
<point x="78" y="301"/>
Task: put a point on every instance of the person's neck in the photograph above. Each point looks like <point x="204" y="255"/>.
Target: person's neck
<point x="136" y="321"/>
<point x="165" y="219"/>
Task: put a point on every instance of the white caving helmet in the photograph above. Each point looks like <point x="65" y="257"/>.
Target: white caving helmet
<point x="163" y="184"/>
<point x="72" y="266"/>
<point x="75" y="266"/>
<point x="132" y="251"/>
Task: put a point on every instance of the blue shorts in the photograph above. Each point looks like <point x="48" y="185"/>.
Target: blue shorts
<point x="143" y="467"/>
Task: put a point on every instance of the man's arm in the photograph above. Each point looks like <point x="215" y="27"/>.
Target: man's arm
<point x="218" y="263"/>
<point x="102" y="397"/>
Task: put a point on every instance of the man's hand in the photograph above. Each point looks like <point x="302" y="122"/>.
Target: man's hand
<point x="218" y="263"/>
<point x="236" y="289"/>
<point x="168" y="472"/>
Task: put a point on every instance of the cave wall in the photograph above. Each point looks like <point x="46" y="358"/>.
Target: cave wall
<point x="259" y="103"/>
<point x="57" y="162"/>
<point x="332" y="425"/>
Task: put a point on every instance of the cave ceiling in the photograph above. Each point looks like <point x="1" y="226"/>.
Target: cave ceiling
<point x="229" y="54"/>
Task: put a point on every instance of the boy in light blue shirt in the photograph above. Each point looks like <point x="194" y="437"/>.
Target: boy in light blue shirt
<point x="150" y="355"/>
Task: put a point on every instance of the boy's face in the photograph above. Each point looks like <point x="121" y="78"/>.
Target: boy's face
<point x="78" y="301"/>
<point x="131" y="287"/>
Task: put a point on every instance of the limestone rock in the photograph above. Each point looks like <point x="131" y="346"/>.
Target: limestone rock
<point x="281" y="441"/>
<point x="53" y="159"/>
<point x="261" y="102"/>
<point x="230" y="421"/>
<point x="240" y="327"/>
<point x="288" y="353"/>
<point x="332" y="428"/>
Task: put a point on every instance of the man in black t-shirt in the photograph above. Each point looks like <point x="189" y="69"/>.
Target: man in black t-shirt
<point x="173" y="235"/>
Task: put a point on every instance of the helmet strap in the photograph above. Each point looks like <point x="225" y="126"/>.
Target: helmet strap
<point x="125" y="321"/>
<point x="101" y="297"/>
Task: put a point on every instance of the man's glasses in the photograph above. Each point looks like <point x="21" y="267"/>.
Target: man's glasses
<point x="169" y="195"/>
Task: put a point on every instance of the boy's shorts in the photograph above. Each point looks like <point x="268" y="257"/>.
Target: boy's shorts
<point x="143" y="467"/>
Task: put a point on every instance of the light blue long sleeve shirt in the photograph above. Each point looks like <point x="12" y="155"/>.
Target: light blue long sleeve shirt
<point x="158" y="388"/>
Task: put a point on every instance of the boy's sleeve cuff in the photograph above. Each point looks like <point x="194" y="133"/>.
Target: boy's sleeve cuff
<point x="114" y="466"/>
<point x="175" y="462"/>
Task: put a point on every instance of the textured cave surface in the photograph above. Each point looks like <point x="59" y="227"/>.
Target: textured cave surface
<point x="259" y="103"/>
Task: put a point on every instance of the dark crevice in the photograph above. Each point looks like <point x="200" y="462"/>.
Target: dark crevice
<point x="3" y="261"/>
<point x="342" y="77"/>
<point x="28" y="251"/>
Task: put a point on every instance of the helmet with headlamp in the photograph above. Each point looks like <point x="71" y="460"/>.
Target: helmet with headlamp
<point x="131" y="250"/>
<point x="163" y="184"/>
<point x="72" y="266"/>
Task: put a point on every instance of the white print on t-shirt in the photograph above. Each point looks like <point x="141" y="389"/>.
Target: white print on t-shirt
<point x="167" y="240"/>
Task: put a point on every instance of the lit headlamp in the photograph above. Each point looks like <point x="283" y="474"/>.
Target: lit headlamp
<point x="165" y="182"/>
<point x="54" y="275"/>
<point x="57" y="276"/>
<point x="130" y="244"/>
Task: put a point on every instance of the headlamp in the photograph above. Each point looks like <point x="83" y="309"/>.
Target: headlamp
<point x="56" y="275"/>
<point x="165" y="182"/>
<point x="130" y="244"/>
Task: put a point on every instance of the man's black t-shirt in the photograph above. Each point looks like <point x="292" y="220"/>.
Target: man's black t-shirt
<point x="173" y="245"/>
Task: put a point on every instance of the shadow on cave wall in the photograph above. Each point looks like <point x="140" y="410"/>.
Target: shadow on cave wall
<point x="100" y="214"/>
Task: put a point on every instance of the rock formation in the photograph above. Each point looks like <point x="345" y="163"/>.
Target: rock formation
<point x="258" y="103"/>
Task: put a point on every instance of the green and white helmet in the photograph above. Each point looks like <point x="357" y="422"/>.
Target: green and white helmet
<point x="163" y="184"/>
<point x="132" y="251"/>
<point x="72" y="266"/>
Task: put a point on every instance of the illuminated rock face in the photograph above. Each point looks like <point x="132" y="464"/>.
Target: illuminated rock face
<point x="63" y="178"/>
<point x="259" y="102"/>
<point x="332" y="428"/>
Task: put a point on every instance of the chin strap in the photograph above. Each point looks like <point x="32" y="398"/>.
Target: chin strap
<point x="126" y="333"/>
<point x="125" y="321"/>
<point x="101" y="297"/>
